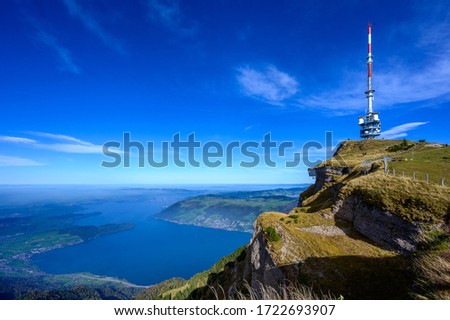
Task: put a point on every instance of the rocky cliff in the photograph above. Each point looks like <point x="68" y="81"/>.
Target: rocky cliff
<point x="356" y="220"/>
<point x="353" y="222"/>
<point x="381" y="226"/>
<point x="352" y="234"/>
<point x="260" y="267"/>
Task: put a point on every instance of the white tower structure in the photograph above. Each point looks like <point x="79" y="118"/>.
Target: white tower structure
<point x="370" y="123"/>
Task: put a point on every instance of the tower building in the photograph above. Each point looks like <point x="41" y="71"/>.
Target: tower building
<point x="370" y="125"/>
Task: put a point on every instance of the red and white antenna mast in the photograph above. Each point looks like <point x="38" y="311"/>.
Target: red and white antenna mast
<point x="370" y="91"/>
<point x="370" y="123"/>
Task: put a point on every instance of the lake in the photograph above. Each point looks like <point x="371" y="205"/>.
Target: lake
<point x="152" y="252"/>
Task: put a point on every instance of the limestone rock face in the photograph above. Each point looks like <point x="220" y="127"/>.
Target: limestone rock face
<point x="325" y="174"/>
<point x="387" y="230"/>
<point x="260" y="267"/>
<point x="384" y="228"/>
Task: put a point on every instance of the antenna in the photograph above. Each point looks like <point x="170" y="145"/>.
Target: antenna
<point x="370" y="123"/>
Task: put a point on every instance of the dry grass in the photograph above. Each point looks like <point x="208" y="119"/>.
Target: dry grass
<point x="296" y="244"/>
<point x="344" y="263"/>
<point x="286" y="292"/>
<point x="355" y="152"/>
<point x="434" y="276"/>
<point x="432" y="161"/>
<point x="320" y="200"/>
<point x="406" y="198"/>
<point x="412" y="200"/>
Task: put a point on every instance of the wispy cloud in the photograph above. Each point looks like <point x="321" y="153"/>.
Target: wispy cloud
<point x="61" y="137"/>
<point x="269" y="85"/>
<point x="345" y="100"/>
<point x="65" y="55"/>
<point x="88" y="20"/>
<point x="58" y="142"/>
<point x="398" y="82"/>
<point x="401" y="130"/>
<point x="169" y="14"/>
<point x="71" y="148"/>
<point x="17" y="140"/>
<point x="8" y="161"/>
<point x="43" y="36"/>
<point x="394" y="87"/>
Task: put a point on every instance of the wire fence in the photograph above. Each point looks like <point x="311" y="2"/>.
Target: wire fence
<point x="415" y="176"/>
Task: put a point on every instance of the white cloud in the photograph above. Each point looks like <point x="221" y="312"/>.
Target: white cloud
<point x="401" y="130"/>
<point x="17" y="140"/>
<point x="270" y="85"/>
<point x="75" y="145"/>
<point x="397" y="82"/>
<point x="395" y="86"/>
<point x="72" y="148"/>
<point x="339" y="102"/>
<point x="8" y="161"/>
<point x="93" y="26"/>
<point x="71" y="145"/>
<point x="61" y="137"/>
<point x="169" y="14"/>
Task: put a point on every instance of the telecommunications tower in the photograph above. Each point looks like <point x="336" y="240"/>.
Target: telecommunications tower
<point x="370" y="123"/>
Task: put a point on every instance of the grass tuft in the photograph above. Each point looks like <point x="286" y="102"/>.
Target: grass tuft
<point x="271" y="234"/>
<point x="284" y="292"/>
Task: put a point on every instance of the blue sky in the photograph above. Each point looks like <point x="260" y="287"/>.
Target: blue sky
<point x="76" y="74"/>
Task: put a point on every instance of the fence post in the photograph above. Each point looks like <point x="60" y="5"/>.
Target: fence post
<point x="427" y="178"/>
<point x="393" y="171"/>
<point x="386" y="170"/>
<point x="442" y="182"/>
<point x="414" y="176"/>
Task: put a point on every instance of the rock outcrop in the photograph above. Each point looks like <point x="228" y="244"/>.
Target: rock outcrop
<point x="260" y="268"/>
<point x="382" y="227"/>
<point x="324" y="174"/>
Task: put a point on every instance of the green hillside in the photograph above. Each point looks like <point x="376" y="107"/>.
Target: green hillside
<point x="230" y="211"/>
<point x="422" y="160"/>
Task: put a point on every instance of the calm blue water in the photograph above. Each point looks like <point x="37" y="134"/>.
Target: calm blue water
<point x="153" y="251"/>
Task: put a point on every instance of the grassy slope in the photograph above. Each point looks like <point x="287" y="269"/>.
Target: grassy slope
<point x="300" y="241"/>
<point x="425" y="160"/>
<point x="348" y="262"/>
<point x="412" y="200"/>
<point x="334" y="258"/>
